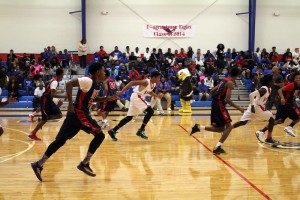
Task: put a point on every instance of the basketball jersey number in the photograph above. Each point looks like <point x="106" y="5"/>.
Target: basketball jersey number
<point x="112" y="85"/>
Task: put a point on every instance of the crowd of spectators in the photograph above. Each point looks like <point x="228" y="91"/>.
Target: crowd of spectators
<point x="27" y="72"/>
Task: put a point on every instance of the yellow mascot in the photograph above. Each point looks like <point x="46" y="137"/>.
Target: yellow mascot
<point x="185" y="90"/>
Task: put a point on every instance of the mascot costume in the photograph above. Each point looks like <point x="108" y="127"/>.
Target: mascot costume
<point x="186" y="90"/>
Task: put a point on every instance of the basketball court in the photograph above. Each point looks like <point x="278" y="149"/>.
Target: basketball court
<point x="170" y="165"/>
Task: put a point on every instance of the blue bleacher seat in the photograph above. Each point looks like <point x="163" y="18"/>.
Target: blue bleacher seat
<point x="4" y="93"/>
<point x="196" y="104"/>
<point x="26" y="98"/>
<point x="22" y="93"/>
<point x="175" y="97"/>
<point x="20" y="105"/>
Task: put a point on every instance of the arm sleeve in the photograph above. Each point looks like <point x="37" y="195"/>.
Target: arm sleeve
<point x="85" y="83"/>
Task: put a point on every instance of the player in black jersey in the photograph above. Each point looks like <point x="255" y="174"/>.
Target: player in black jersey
<point x="110" y="89"/>
<point x="79" y="118"/>
<point x="220" y="119"/>
<point x="48" y="108"/>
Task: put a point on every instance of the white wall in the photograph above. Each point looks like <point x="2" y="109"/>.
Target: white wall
<point x="125" y="20"/>
<point x="282" y="31"/>
<point x="30" y="25"/>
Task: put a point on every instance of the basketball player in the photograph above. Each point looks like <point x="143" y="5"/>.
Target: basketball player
<point x="257" y="110"/>
<point x="220" y="119"/>
<point x="4" y="103"/>
<point x="49" y="109"/>
<point x="288" y="108"/>
<point x="57" y="101"/>
<point x="79" y="118"/>
<point x="138" y="104"/>
<point x="110" y="89"/>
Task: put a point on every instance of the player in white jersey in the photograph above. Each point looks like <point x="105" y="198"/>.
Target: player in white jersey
<point x="138" y="104"/>
<point x="257" y="110"/>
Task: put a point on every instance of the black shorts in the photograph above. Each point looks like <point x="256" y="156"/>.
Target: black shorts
<point x="287" y="111"/>
<point x="77" y="121"/>
<point x="49" y="108"/>
<point x="219" y="116"/>
<point x="108" y="106"/>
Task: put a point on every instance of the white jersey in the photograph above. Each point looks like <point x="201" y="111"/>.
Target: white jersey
<point x="259" y="106"/>
<point x="261" y="101"/>
<point x="141" y="90"/>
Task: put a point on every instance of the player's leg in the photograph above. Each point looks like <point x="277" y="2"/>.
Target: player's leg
<point x="218" y="148"/>
<point x="99" y="136"/>
<point x="68" y="130"/>
<point x="141" y="131"/>
<point x="293" y="114"/>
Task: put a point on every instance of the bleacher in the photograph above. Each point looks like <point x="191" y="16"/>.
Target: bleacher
<point x="240" y="96"/>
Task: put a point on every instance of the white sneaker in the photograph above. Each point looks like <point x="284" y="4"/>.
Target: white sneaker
<point x="169" y="109"/>
<point x="260" y="136"/>
<point x="289" y="130"/>
<point x="104" y="124"/>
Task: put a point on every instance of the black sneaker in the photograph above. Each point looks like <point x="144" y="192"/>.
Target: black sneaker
<point x="195" y="129"/>
<point x="218" y="150"/>
<point x="85" y="168"/>
<point x="112" y="134"/>
<point x="37" y="170"/>
<point x="141" y="133"/>
<point x="271" y="141"/>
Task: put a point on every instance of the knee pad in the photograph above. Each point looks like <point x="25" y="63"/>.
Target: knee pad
<point x="150" y="110"/>
<point x="99" y="134"/>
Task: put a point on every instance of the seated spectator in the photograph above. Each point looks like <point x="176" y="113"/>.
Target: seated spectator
<point x="102" y="52"/>
<point x="137" y="52"/>
<point x="123" y="101"/>
<point x="181" y="56"/>
<point x="65" y="59"/>
<point x="274" y="58"/>
<point x="240" y="62"/>
<point x="134" y="74"/>
<point x="116" y="54"/>
<point x="265" y="60"/>
<point x="147" y="55"/>
<point x="190" y="52"/>
<point x="168" y="54"/>
<point x="28" y="85"/>
<point x="209" y="82"/>
<point x="132" y="57"/>
<point x="164" y="89"/>
<point x="38" y="92"/>
<point x="96" y="57"/>
<point x="202" y="89"/>
<point x="296" y="53"/>
<point x="10" y="57"/>
<point x="3" y="77"/>
<point x="13" y="89"/>
<point x="124" y="59"/>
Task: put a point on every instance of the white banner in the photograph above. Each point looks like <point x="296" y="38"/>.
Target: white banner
<point x="168" y="31"/>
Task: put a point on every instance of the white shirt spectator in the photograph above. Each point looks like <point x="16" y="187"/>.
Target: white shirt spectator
<point x="82" y="49"/>
<point x="296" y="53"/>
<point x="38" y="92"/>
<point x="209" y="82"/>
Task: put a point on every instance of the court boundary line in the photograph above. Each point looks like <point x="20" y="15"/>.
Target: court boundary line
<point x="30" y="145"/>
<point x="230" y="167"/>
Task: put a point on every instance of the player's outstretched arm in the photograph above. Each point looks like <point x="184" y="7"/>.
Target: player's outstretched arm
<point x="132" y="83"/>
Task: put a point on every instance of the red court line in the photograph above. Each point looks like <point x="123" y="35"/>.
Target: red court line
<point x="232" y="168"/>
